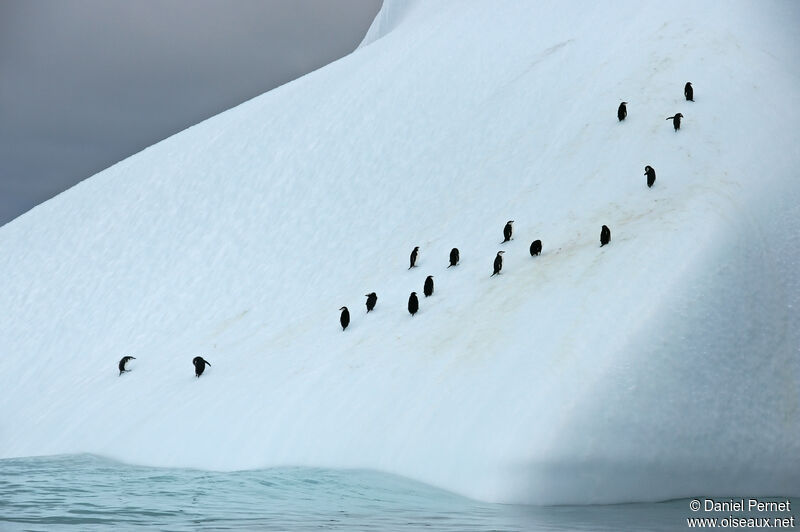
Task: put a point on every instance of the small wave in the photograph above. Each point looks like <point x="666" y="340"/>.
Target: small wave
<point x="86" y="492"/>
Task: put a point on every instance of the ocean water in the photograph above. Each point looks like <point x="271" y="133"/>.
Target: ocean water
<point x="84" y="492"/>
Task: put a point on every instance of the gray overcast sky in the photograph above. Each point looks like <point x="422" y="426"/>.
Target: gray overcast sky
<point x="86" y="83"/>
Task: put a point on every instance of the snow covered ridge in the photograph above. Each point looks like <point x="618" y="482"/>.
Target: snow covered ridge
<point x="662" y="365"/>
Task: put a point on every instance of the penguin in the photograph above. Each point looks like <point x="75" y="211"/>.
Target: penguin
<point x="199" y="365"/>
<point x="413" y="303"/>
<point x="536" y="248"/>
<point x="605" y="236"/>
<point x="372" y="298"/>
<point x="622" y="112"/>
<point x="688" y="91"/>
<point x="122" y="362"/>
<point x="414" y="255"/>
<point x="428" y="288"/>
<point x="507" y="230"/>
<point x="676" y="121"/>
<point x="454" y="257"/>
<point x="651" y="175"/>
<point x="498" y="263"/>
<point x="344" y="319"/>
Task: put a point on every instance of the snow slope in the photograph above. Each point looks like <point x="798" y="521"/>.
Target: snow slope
<point x="663" y="365"/>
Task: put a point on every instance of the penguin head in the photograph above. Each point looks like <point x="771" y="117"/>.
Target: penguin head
<point x="624" y="103"/>
<point x="368" y="295"/>
<point x="689" y="83"/>
<point x="679" y="115"/>
<point x="413" y="293"/>
<point x="343" y="308"/>
<point x="416" y="248"/>
<point x="500" y="253"/>
<point x="510" y="222"/>
<point x="647" y="169"/>
<point x="430" y="277"/>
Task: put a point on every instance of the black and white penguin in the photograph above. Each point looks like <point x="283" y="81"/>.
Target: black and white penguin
<point x="651" y="175"/>
<point x="498" y="263"/>
<point x="605" y="236"/>
<point x="622" y="111"/>
<point x="676" y="121"/>
<point x="413" y="303"/>
<point x="507" y="230"/>
<point x="372" y="298"/>
<point x="536" y="248"/>
<point x="413" y="258"/>
<point x="454" y="257"/>
<point x="344" y="319"/>
<point x="122" y="362"/>
<point x="199" y="365"/>
<point x="428" y="288"/>
<point x="688" y="91"/>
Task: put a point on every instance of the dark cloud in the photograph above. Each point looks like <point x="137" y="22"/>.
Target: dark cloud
<point x="86" y="83"/>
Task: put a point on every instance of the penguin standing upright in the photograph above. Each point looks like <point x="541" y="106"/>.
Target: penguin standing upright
<point x="122" y="362"/>
<point x="199" y="365"/>
<point x="428" y="288"/>
<point x="413" y="258"/>
<point x="651" y="175"/>
<point x="622" y="111"/>
<point x="507" y="230"/>
<point x="413" y="303"/>
<point x="676" y="121"/>
<point x="498" y="263"/>
<point x="344" y="319"/>
<point x="688" y="91"/>
<point x="536" y="248"/>
<point x="372" y="298"/>
<point x="454" y="257"/>
<point x="605" y="236"/>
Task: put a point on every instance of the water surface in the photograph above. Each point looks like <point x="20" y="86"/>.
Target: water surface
<point x="86" y="492"/>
